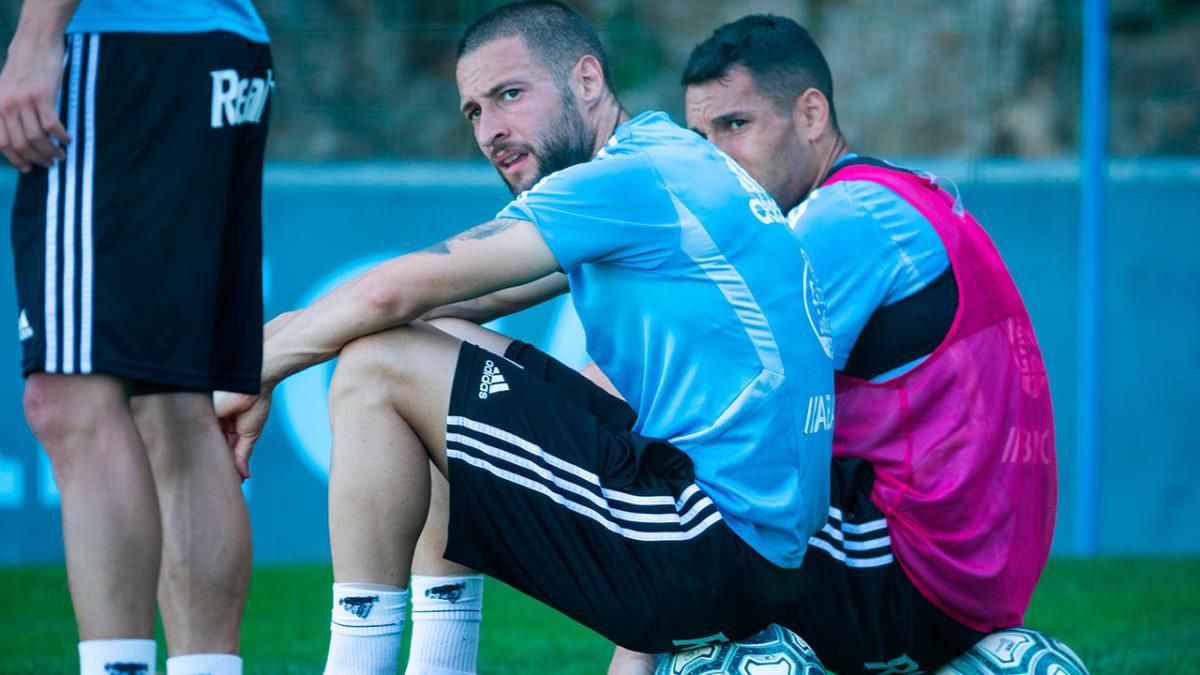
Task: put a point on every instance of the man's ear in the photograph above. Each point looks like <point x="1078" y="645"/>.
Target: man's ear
<point x="810" y="114"/>
<point x="588" y="79"/>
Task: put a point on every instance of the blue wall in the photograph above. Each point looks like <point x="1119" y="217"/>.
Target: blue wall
<point x="324" y="223"/>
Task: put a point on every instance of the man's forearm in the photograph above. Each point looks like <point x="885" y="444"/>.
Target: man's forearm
<point x="503" y="302"/>
<point x="42" y="23"/>
<point x="477" y="310"/>
<point x="479" y="261"/>
<point x="303" y="338"/>
<point x="275" y="325"/>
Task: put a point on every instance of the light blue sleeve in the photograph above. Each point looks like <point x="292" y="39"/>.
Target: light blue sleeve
<point x="613" y="209"/>
<point x="869" y="248"/>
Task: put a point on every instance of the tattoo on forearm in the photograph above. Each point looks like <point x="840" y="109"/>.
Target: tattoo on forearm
<point x="487" y="229"/>
<point x="480" y="232"/>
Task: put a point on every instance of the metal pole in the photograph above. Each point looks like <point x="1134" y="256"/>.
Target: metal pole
<point x="1093" y="179"/>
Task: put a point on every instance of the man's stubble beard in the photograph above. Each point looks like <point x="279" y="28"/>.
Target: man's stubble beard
<point x="566" y="143"/>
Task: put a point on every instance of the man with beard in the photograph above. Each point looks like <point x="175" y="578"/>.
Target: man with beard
<point x="675" y="519"/>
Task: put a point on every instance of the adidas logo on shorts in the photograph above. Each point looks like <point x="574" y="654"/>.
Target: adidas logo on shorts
<point x="492" y="381"/>
<point x="24" y="330"/>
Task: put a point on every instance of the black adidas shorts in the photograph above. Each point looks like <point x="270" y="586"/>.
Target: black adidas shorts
<point x="552" y="493"/>
<point x="140" y="254"/>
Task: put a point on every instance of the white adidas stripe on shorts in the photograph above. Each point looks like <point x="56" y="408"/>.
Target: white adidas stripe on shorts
<point x="69" y="201"/>
<point x="526" y="464"/>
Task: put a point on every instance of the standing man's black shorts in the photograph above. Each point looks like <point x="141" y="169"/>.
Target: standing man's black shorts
<point x="552" y="493"/>
<point x="140" y="254"/>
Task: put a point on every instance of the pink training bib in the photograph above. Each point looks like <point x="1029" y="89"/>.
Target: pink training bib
<point x="963" y="444"/>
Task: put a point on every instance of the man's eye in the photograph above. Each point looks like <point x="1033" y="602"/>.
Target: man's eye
<point x="511" y="94"/>
<point x="735" y="125"/>
<point x="473" y="114"/>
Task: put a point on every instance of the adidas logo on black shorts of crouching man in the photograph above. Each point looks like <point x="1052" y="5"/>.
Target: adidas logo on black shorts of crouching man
<point x="492" y="381"/>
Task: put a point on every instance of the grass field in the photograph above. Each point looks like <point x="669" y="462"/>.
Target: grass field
<point x="1121" y="615"/>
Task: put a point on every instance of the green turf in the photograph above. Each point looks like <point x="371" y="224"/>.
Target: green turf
<point x="1121" y="615"/>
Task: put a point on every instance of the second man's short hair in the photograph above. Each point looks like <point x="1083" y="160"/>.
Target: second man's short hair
<point x="780" y="55"/>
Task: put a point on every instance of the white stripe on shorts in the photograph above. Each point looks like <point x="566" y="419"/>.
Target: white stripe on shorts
<point x="563" y="465"/>
<point x="89" y="155"/>
<point x="50" y="296"/>
<point x="548" y="478"/>
<point x="68" y="240"/>
<point x="838" y="535"/>
<point x="629" y="533"/>
<point x="666" y="508"/>
<point x="50" y="283"/>
<point x="870" y="553"/>
<point x="840" y="556"/>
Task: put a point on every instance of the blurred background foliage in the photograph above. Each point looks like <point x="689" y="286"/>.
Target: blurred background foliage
<point x="373" y="79"/>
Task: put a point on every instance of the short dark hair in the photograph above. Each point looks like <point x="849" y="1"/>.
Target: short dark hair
<point x="557" y="34"/>
<point x="778" y="52"/>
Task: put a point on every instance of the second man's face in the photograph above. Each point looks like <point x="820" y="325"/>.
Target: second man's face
<point x="751" y="129"/>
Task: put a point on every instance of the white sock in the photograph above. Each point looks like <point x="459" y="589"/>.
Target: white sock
<point x="205" y="664"/>
<point x="364" y="634"/>
<point x="446" y="612"/>
<point x="97" y="657"/>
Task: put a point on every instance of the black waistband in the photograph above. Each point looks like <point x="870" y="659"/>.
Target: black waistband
<point x="905" y="330"/>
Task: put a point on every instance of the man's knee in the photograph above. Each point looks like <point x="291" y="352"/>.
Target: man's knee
<point x="58" y="406"/>
<point x="368" y="367"/>
<point x="391" y="366"/>
<point x="398" y="352"/>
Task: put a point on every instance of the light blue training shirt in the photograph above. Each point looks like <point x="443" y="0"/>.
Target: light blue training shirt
<point x="683" y="272"/>
<point x="169" y="16"/>
<point x="870" y="248"/>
